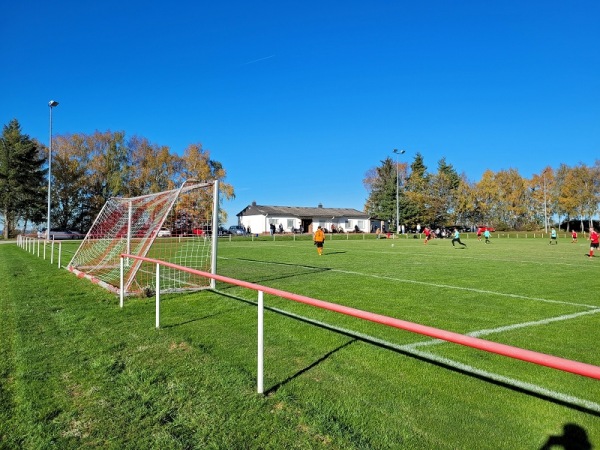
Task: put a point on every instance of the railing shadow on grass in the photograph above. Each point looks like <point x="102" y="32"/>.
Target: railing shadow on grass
<point x="326" y="356"/>
<point x="388" y="346"/>
<point x="198" y="319"/>
<point x="515" y="385"/>
<point x="274" y="277"/>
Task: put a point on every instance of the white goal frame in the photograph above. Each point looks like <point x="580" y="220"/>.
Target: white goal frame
<point x="178" y="226"/>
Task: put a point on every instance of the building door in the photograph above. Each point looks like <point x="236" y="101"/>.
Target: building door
<point x="307" y="225"/>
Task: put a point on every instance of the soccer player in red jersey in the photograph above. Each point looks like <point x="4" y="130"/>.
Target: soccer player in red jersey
<point x="594" y="242"/>
<point x="427" y="232"/>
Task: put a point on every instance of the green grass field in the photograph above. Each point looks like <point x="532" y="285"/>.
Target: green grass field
<point x="77" y="371"/>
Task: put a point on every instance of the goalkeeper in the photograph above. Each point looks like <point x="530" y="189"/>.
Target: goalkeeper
<point x="319" y="240"/>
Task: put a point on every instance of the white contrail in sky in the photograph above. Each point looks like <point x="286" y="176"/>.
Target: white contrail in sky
<point x="257" y="60"/>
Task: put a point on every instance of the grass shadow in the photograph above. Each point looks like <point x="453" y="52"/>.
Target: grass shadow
<point x="356" y="337"/>
<point x="276" y="387"/>
<point x="310" y="270"/>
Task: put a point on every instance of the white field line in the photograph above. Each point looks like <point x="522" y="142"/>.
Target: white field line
<point x="415" y="252"/>
<point x="505" y="260"/>
<point x="482" y="258"/>
<point x="461" y="288"/>
<point x="529" y="387"/>
<point x="438" y="285"/>
<point x="411" y="348"/>
<point x="560" y="396"/>
<point x="515" y="326"/>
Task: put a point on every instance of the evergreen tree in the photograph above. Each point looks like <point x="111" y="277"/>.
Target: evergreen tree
<point x="381" y="182"/>
<point x="21" y="178"/>
<point x="417" y="207"/>
<point x="443" y="187"/>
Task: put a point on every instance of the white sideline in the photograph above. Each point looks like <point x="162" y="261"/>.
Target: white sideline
<point x="443" y="286"/>
<point x="412" y="348"/>
<point x="461" y="288"/>
<point x="507" y="328"/>
<point x="560" y="396"/>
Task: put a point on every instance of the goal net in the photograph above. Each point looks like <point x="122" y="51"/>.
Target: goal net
<point x="175" y="226"/>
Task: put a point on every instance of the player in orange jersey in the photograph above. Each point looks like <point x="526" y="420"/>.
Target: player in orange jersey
<point x="319" y="240"/>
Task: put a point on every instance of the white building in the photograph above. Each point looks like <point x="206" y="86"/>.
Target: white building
<point x="258" y="219"/>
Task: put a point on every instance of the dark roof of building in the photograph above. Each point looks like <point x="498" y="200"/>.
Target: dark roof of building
<point x="300" y="211"/>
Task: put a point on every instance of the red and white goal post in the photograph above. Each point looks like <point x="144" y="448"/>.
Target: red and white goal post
<point x="173" y="226"/>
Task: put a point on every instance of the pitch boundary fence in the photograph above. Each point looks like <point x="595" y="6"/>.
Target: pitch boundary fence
<point x="555" y="362"/>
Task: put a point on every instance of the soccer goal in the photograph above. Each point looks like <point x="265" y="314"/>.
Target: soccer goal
<point x="175" y="226"/>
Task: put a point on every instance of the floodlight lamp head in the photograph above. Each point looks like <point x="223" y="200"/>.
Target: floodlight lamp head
<point x="399" y="152"/>
<point x="52" y="103"/>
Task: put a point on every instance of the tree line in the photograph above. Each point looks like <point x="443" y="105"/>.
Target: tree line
<point x="503" y="199"/>
<point x="87" y="170"/>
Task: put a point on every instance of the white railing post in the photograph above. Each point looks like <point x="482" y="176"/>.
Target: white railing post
<point x="259" y="376"/>
<point x="215" y="234"/>
<point x="59" y="252"/>
<point x="121" y="284"/>
<point x="157" y="295"/>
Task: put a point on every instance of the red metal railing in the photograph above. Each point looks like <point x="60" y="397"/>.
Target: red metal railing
<point x="555" y="362"/>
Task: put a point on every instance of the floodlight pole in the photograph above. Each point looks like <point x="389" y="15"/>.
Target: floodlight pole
<point x="398" y="152"/>
<point x="545" y="208"/>
<point x="51" y="104"/>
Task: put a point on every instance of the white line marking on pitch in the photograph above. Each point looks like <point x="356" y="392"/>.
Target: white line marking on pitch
<point x="445" y="286"/>
<point x="411" y="348"/>
<point x="413" y="252"/>
<point x="507" y="328"/>
<point x="461" y="288"/>
<point x="566" y="398"/>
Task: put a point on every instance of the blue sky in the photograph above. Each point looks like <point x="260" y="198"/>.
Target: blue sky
<point x="298" y="100"/>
